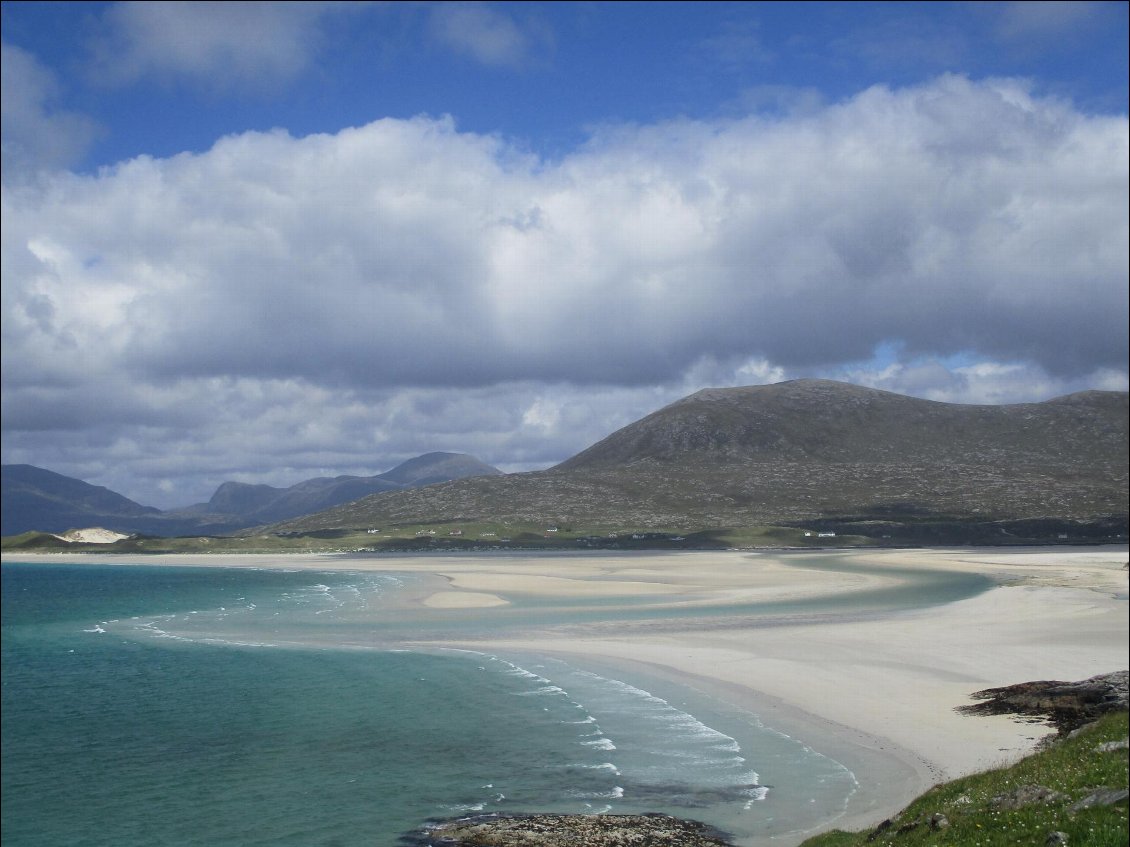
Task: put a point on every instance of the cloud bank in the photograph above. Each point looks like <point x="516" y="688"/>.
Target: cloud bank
<point x="324" y="292"/>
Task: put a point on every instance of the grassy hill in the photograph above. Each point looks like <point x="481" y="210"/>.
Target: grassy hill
<point x="1004" y="807"/>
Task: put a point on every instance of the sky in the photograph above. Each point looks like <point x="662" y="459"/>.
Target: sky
<point x="265" y="242"/>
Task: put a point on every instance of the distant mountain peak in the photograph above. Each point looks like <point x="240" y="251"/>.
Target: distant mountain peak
<point x="39" y="499"/>
<point x="36" y="498"/>
<point x="438" y="467"/>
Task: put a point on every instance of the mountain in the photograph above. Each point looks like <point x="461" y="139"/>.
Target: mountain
<point x="801" y="452"/>
<point x="437" y="467"/>
<point x="252" y="505"/>
<point x="38" y="499"/>
<point x="34" y="498"/>
<point x="820" y="422"/>
<point x="810" y="453"/>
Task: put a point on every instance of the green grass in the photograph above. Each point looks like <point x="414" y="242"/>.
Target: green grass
<point x="453" y="535"/>
<point x="1071" y="767"/>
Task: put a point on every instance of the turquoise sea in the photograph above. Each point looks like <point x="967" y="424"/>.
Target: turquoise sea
<point x="213" y="706"/>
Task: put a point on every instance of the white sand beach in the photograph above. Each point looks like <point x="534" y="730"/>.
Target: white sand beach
<point x="876" y="692"/>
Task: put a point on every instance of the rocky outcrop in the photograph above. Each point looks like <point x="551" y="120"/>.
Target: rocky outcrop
<point x="1024" y="796"/>
<point x="653" y="830"/>
<point x="1101" y="797"/>
<point x="892" y="827"/>
<point x="1066" y="705"/>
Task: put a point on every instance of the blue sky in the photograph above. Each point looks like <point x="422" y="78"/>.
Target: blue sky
<point x="271" y="241"/>
<point x="541" y="74"/>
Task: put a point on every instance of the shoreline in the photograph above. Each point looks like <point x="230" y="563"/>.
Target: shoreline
<point x="877" y="693"/>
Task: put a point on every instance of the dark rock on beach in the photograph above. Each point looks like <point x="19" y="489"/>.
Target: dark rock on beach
<point x="1066" y="705"/>
<point x="648" y="830"/>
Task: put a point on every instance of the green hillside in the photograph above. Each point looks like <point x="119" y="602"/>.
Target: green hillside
<point x="1048" y="792"/>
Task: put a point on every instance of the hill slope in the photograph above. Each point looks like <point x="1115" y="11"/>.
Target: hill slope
<point x="35" y="498"/>
<point x="824" y="422"/>
<point x="1072" y="792"/>
<point x="806" y="450"/>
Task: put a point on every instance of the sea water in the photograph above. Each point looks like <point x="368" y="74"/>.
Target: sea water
<point x="212" y="706"/>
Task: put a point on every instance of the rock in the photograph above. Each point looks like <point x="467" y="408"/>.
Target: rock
<point x="1068" y="705"/>
<point x="880" y="829"/>
<point x="909" y="827"/>
<point x="1056" y="839"/>
<point x="1101" y="797"/>
<point x="537" y="830"/>
<point x="938" y="821"/>
<point x="902" y="829"/>
<point x="1112" y="746"/>
<point x="1026" y="795"/>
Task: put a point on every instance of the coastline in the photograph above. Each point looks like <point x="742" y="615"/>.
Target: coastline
<point x="879" y="694"/>
<point x="876" y="693"/>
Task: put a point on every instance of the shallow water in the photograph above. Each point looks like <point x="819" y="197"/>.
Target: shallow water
<point x="148" y="705"/>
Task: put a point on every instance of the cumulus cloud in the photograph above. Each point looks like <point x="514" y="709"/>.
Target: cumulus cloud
<point x="959" y="380"/>
<point x="221" y="44"/>
<point x="403" y="286"/>
<point x="36" y="134"/>
<point x="952" y="216"/>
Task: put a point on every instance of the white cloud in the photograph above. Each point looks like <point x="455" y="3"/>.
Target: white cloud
<point x="736" y="47"/>
<point x="36" y="134"/>
<point x="979" y="382"/>
<point x="221" y="44"/>
<point x="898" y="38"/>
<point x="1046" y="20"/>
<point x="312" y="303"/>
<point x="487" y="34"/>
